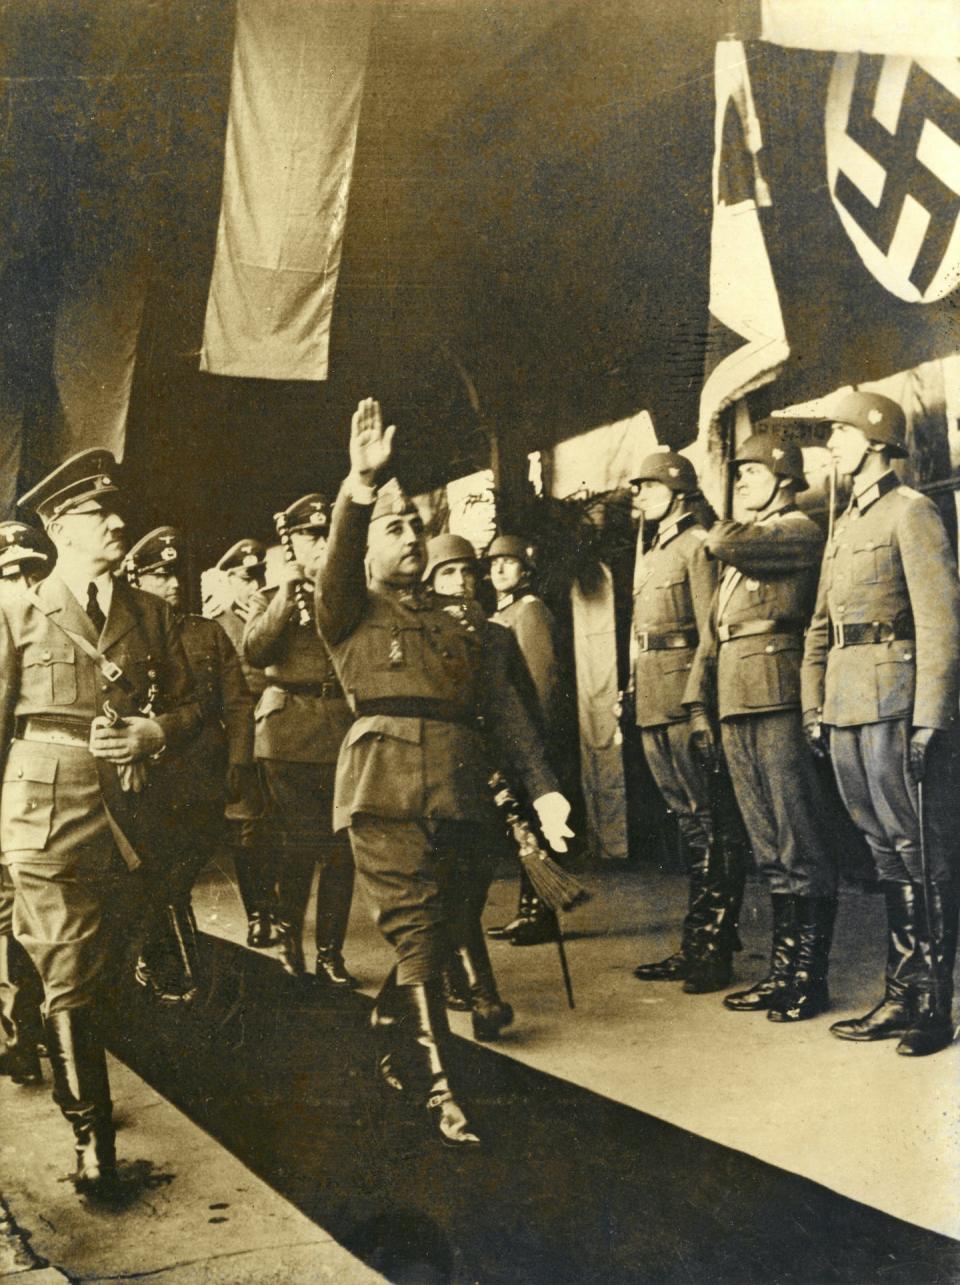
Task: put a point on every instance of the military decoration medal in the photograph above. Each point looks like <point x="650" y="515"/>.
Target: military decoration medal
<point x="395" y="656"/>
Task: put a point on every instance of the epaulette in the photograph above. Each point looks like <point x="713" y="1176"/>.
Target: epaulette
<point x="910" y="493"/>
<point x="529" y="597"/>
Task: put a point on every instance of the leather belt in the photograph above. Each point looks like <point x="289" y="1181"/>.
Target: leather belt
<point x="870" y="631"/>
<point x="666" y="639"/>
<point x="53" y="729"/>
<point x="753" y="628"/>
<point x="329" y="690"/>
<point x="440" y="711"/>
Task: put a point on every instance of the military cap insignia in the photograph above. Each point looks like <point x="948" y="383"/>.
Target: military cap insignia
<point x="103" y="482"/>
<point x="168" y="554"/>
<point x="673" y="471"/>
<point x="250" y="560"/>
<point x="875" y="416"/>
<point x="777" y="453"/>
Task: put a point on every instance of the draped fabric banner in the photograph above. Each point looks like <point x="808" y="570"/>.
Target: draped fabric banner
<point x="296" y="90"/>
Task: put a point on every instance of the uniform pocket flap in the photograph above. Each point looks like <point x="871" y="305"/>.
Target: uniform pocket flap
<point x="671" y="661"/>
<point x="272" y="700"/>
<point x="400" y="729"/>
<point x="40" y="770"/>
<point x="49" y="653"/>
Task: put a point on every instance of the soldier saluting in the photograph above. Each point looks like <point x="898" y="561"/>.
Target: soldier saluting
<point x="81" y="658"/>
<point x="413" y="770"/>
<point x="881" y="672"/>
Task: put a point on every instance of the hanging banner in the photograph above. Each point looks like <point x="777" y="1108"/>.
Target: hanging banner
<point x="296" y="90"/>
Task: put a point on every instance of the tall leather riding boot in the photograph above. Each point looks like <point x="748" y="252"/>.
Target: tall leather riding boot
<point x="384" y="1018"/>
<point x="294" y="880"/>
<point x="489" y="1013"/>
<point x="762" y="994"/>
<point x="714" y="935"/>
<point x="675" y="966"/>
<point x="932" y="1027"/>
<point x="539" y="927"/>
<point x="183" y="928"/>
<point x="21" y="1027"/>
<point x="807" y="995"/>
<point x="525" y="905"/>
<point x="82" y="1092"/>
<point x="425" y="1035"/>
<point x="256" y="876"/>
<point x="893" y="1015"/>
<point x="334" y="897"/>
<point x="456" y="989"/>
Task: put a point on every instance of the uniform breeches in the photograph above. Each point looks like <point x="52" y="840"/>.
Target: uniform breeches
<point x="871" y="764"/>
<point x="411" y="872"/>
<point x="775" y="782"/>
<point x="188" y="835"/>
<point x="69" y="921"/>
<point x="681" y="779"/>
<point x="298" y="805"/>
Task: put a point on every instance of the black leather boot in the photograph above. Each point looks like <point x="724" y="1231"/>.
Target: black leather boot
<point x="499" y="932"/>
<point x="762" y="994"/>
<point x="384" y="1019"/>
<point x="932" y="1026"/>
<point x="456" y="991"/>
<point x="261" y="931"/>
<point x="425" y="1034"/>
<point x="294" y="881"/>
<point x="674" y="967"/>
<point x="21" y="1028"/>
<point x="539" y="927"/>
<point x="82" y="1092"/>
<point x="714" y="932"/>
<point x="490" y="1015"/>
<point x="807" y="995"/>
<point x="893" y="1015"/>
<point x="183" y="929"/>
<point x="256" y="877"/>
<point x="334" y="896"/>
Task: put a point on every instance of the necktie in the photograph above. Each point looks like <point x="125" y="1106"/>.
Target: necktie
<point x="94" y="611"/>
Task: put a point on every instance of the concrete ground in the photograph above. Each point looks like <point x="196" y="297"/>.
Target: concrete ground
<point x="881" y="1129"/>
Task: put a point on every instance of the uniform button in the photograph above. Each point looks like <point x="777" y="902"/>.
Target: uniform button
<point x="769" y="647"/>
<point x="20" y="772"/>
<point x="46" y="656"/>
<point x="104" y="687"/>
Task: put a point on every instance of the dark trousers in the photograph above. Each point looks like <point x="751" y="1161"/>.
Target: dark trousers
<point x="681" y="779"/>
<point x="776" y="785"/>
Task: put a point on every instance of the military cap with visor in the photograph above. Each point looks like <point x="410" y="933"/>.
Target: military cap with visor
<point x="248" y="556"/>
<point x="159" y="550"/>
<point x="309" y="513"/>
<point x="879" y="418"/>
<point x="672" y="470"/>
<point x="19" y="546"/>
<point x="88" y="475"/>
<point x="781" y="457"/>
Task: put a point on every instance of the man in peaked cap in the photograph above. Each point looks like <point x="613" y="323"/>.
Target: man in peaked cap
<point x="22" y="564"/>
<point x="881" y="672"/>
<point x="750" y="655"/>
<point x="413" y="771"/>
<point x="194" y="784"/>
<point x="301" y="719"/>
<point x="674" y="581"/>
<point x="94" y="683"/>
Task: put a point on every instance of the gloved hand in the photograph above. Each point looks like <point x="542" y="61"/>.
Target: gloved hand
<point x="625" y="706"/>
<point x="702" y="736"/>
<point x="815" y="735"/>
<point x="920" y="739"/>
<point x="553" y="811"/>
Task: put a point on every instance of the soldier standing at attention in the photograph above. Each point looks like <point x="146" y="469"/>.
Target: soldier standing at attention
<point x="196" y="783"/>
<point x="881" y="674"/>
<point x="301" y="719"/>
<point x="673" y="589"/>
<point x="22" y="564"/>
<point x="412" y="780"/>
<point x="532" y="623"/>
<point x="751" y="654"/>
<point x="81" y="657"/>
<point x="243" y="568"/>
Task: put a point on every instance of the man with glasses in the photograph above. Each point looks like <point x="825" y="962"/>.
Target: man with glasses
<point x="94" y="683"/>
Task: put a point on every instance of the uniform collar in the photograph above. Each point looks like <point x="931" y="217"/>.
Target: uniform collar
<point x="674" y="527"/>
<point x="79" y="586"/>
<point x="777" y="513"/>
<point x="865" y="496"/>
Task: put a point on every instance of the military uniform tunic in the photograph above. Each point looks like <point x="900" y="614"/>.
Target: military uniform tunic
<point x="63" y="815"/>
<point x="889" y="569"/>
<point x="750" y="657"/>
<point x="414" y="767"/>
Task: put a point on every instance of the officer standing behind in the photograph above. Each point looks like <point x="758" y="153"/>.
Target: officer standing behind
<point x="195" y="784"/>
<point x="301" y="719"/>
<point x="80" y="662"/>
<point x="673" y="589"/>
<point x="754" y="646"/>
<point x="532" y="623"/>
<point x="22" y="564"/>
<point x="880" y="684"/>
<point x="414" y="770"/>
<point x="243" y="568"/>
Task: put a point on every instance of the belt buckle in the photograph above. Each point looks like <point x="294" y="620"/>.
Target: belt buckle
<point x="839" y="638"/>
<point x="643" y="637"/>
<point x="111" y="671"/>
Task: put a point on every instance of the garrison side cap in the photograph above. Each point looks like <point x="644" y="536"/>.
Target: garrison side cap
<point x="879" y="418"/>
<point x="447" y="548"/>
<point x="88" y="475"/>
<point x="245" y="555"/>
<point x="673" y="470"/>
<point x="159" y="550"/>
<point x="392" y="501"/>
<point x="783" y="458"/>
<point x="309" y="513"/>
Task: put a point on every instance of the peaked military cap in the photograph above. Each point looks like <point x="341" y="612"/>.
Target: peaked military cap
<point x="447" y="548"/>
<point x="88" y="475"/>
<point x="782" y="458"/>
<point x="159" y="550"/>
<point x="512" y="546"/>
<point x="19" y="544"/>
<point x="309" y="513"/>
<point x="879" y="418"/>
<point x="392" y="501"/>
<point x="674" y="471"/>
<point x="246" y="555"/>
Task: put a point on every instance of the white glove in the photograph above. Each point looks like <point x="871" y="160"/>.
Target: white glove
<point x="553" y="812"/>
